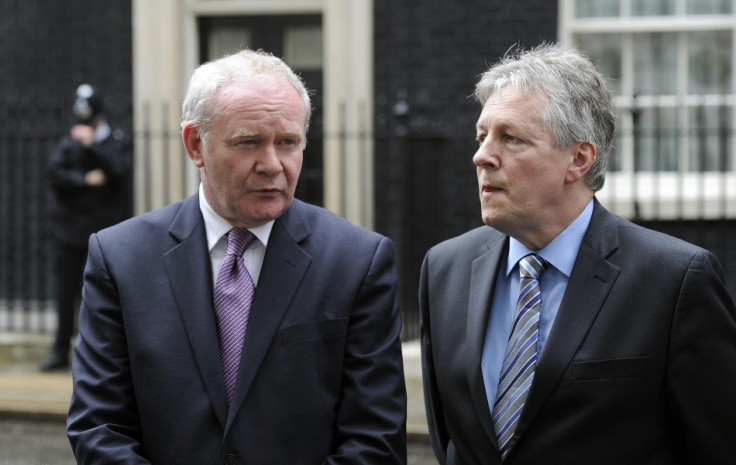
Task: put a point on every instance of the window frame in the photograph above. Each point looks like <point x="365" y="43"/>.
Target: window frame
<point x="683" y="193"/>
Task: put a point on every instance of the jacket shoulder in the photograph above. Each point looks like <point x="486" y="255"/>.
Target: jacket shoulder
<point x="633" y="236"/>
<point x="635" y="247"/>
<point x="325" y="223"/>
<point x="474" y="242"/>
<point x="141" y="227"/>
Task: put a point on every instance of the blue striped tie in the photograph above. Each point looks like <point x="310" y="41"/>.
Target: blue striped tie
<point x="520" y="358"/>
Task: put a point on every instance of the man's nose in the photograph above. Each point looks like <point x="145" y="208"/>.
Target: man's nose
<point x="268" y="161"/>
<point x="487" y="155"/>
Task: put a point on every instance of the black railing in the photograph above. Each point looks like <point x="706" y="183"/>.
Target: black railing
<point x="409" y="215"/>
<point x="26" y="271"/>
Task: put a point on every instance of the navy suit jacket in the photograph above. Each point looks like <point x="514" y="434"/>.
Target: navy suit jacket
<point x="321" y="376"/>
<point x="639" y="367"/>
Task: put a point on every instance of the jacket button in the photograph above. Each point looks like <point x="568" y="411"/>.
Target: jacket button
<point x="230" y="459"/>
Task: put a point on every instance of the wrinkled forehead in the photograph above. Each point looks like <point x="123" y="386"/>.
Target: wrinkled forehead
<point x="515" y="91"/>
<point x="511" y="103"/>
<point x="255" y="91"/>
<point x="268" y="94"/>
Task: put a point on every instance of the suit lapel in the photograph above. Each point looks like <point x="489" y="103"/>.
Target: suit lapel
<point x="592" y="278"/>
<point x="189" y="272"/>
<point x="482" y="281"/>
<point x="284" y="267"/>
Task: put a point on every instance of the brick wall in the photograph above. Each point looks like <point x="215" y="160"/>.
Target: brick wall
<point x="428" y="55"/>
<point x="48" y="48"/>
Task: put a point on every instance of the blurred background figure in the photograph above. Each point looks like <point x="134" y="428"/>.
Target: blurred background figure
<point x="89" y="175"/>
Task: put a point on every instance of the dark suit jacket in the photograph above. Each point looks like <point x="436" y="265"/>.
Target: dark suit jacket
<point x="321" y="378"/>
<point x="76" y="210"/>
<point x="639" y="367"/>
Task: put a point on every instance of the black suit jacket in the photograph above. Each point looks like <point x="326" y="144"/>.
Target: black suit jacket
<point x="639" y="367"/>
<point x="321" y="377"/>
<point x="76" y="210"/>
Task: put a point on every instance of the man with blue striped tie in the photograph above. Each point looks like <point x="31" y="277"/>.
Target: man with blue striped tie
<point x="560" y="333"/>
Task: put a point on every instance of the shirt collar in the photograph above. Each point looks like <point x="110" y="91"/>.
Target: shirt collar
<point x="102" y="132"/>
<point x="217" y="226"/>
<point x="562" y="251"/>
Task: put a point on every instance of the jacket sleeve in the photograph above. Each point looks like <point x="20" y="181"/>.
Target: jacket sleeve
<point x="103" y="424"/>
<point x="702" y="364"/>
<point x="371" y="420"/>
<point x="64" y="169"/>
<point x="439" y="436"/>
<point x="114" y="156"/>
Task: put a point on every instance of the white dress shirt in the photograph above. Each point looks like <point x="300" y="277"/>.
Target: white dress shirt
<point x="217" y="227"/>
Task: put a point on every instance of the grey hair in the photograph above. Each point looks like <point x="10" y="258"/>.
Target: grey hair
<point x="579" y="106"/>
<point x="246" y="65"/>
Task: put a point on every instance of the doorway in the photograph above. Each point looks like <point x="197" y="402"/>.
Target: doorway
<point x="298" y="40"/>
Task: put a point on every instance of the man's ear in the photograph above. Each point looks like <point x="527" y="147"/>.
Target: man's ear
<point x="193" y="144"/>
<point x="583" y="156"/>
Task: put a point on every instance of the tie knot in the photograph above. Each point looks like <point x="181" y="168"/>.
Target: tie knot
<point x="532" y="266"/>
<point x="238" y="239"/>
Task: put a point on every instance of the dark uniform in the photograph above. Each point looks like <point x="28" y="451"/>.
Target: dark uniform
<point x="78" y="209"/>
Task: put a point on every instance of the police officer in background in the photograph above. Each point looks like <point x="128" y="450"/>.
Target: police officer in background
<point x="89" y="175"/>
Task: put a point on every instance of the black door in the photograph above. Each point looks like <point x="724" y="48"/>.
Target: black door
<point x="298" y="40"/>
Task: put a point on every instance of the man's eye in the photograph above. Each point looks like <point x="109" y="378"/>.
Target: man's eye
<point x="480" y="139"/>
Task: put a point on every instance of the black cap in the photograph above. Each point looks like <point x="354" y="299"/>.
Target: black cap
<point x="87" y="104"/>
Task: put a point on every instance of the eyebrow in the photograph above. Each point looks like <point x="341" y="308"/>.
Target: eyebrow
<point x="244" y="133"/>
<point x="500" y="122"/>
<point x="248" y="133"/>
<point x="293" y="134"/>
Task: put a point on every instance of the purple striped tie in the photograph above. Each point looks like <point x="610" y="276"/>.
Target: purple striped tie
<point x="233" y="297"/>
<point x="520" y="359"/>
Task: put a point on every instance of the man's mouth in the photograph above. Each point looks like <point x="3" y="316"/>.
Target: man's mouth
<point x="489" y="189"/>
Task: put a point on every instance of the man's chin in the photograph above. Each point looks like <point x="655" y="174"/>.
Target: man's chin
<point x="491" y="218"/>
<point x="259" y="216"/>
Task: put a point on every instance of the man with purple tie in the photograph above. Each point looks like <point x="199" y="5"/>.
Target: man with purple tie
<point x="240" y="326"/>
